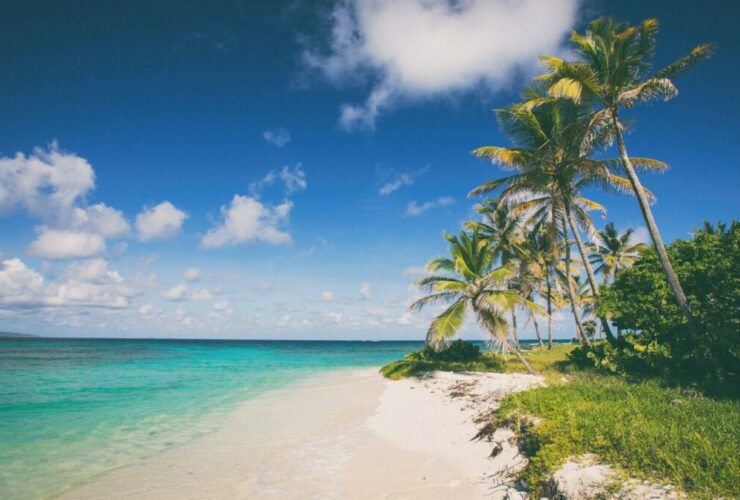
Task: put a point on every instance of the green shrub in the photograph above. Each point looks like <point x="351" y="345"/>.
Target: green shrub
<point x="704" y="350"/>
<point x="458" y="350"/>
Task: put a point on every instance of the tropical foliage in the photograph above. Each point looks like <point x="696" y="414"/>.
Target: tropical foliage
<point x="535" y="248"/>
<point x="704" y="349"/>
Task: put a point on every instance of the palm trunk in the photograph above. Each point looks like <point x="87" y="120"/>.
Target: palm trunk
<point x="549" y="314"/>
<point x="589" y="271"/>
<point x="522" y="359"/>
<point x="514" y="329"/>
<point x="537" y="331"/>
<point x="571" y="291"/>
<point x="649" y="220"/>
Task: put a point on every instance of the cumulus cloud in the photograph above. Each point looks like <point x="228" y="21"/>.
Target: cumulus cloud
<point x="365" y="291"/>
<point x="91" y="283"/>
<point x="247" y="220"/>
<point x="418" y="49"/>
<point x="414" y="209"/>
<point x="47" y="183"/>
<point x="100" y="219"/>
<point x="277" y="136"/>
<point x="52" y="185"/>
<point x="222" y="306"/>
<point x="160" y="222"/>
<point x="56" y="244"/>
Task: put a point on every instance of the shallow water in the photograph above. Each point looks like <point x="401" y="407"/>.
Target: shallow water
<point x="72" y="409"/>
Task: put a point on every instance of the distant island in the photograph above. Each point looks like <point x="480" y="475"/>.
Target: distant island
<point x="12" y="335"/>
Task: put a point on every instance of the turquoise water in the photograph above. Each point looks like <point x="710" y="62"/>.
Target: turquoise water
<point x="71" y="409"/>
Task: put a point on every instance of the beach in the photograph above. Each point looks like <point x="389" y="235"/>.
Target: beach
<point x="342" y="434"/>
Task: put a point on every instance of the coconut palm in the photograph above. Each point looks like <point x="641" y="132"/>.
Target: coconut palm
<point x="613" y="71"/>
<point x="471" y="283"/>
<point x="614" y="252"/>
<point x="500" y="226"/>
<point x="554" y="141"/>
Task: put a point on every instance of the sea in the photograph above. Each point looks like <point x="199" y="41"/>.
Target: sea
<point x="72" y="409"/>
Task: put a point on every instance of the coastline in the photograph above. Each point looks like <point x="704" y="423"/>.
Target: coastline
<point x="347" y="433"/>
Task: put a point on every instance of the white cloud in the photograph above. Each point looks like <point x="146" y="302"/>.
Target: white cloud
<point x="247" y="220"/>
<point x="293" y="179"/>
<point x="327" y="296"/>
<point x="365" y="292"/>
<point x="85" y="284"/>
<point x="192" y="274"/>
<point x="277" y="136"/>
<point x="100" y="219"/>
<point x="641" y="235"/>
<point x="182" y="292"/>
<point x="426" y="48"/>
<point x="177" y="292"/>
<point x="56" y="244"/>
<point x="222" y="306"/>
<point x="47" y="183"/>
<point x="414" y="209"/>
<point x="414" y="272"/>
<point x="52" y="186"/>
<point x="396" y="180"/>
<point x="160" y="222"/>
<point x="19" y="284"/>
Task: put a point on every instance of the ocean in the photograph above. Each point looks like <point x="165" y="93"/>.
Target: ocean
<point x="71" y="409"/>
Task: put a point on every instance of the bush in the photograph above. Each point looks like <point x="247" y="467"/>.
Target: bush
<point x="458" y="351"/>
<point x="703" y="350"/>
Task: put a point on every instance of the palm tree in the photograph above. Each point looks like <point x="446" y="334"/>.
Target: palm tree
<point x="614" y="252"/>
<point x="471" y="284"/>
<point x="554" y="142"/>
<point x="613" y="72"/>
<point x="502" y="229"/>
<point x="500" y="226"/>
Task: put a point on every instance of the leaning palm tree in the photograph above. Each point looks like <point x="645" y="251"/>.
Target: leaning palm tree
<point x="613" y="71"/>
<point x="554" y="142"/>
<point x="471" y="283"/>
<point x="614" y="252"/>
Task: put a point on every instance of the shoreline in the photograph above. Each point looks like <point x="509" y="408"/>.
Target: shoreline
<point x="347" y="433"/>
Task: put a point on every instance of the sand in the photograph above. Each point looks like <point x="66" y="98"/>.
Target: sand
<point x="345" y="434"/>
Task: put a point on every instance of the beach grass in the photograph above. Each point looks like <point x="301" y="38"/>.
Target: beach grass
<point x="551" y="363"/>
<point x="646" y="430"/>
<point x="643" y="429"/>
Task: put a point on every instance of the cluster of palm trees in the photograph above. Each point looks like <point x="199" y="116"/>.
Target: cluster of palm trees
<point x="520" y="255"/>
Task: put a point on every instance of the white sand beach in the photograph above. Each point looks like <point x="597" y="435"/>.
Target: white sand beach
<point x="345" y="434"/>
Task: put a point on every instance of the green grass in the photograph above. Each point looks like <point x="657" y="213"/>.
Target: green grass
<point x="646" y="430"/>
<point x="643" y="429"/>
<point x="550" y="363"/>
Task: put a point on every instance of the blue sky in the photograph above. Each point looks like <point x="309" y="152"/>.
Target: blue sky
<point x="282" y="169"/>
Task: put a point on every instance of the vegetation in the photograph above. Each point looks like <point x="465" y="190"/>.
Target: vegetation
<point x="613" y="72"/>
<point x="678" y="307"/>
<point x="471" y="284"/>
<point x="704" y="350"/>
<point x="646" y="430"/>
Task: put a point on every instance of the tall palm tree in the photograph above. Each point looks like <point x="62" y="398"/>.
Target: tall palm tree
<point x="613" y="71"/>
<point x="554" y="142"/>
<point x="614" y="252"/>
<point x="471" y="283"/>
